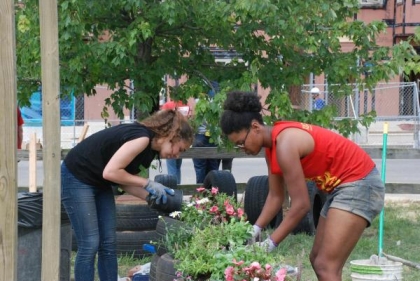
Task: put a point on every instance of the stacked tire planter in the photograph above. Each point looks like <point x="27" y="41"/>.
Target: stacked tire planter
<point x="162" y="267"/>
<point x="136" y="223"/>
<point x="256" y="192"/>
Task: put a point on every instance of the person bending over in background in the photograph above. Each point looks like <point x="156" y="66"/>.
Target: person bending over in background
<point x="295" y="153"/>
<point x="174" y="165"/>
<point x="20" y="129"/>
<point x="115" y="156"/>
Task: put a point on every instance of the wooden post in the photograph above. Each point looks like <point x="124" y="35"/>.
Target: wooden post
<point x="8" y="144"/>
<point x="51" y="246"/>
<point x="32" y="163"/>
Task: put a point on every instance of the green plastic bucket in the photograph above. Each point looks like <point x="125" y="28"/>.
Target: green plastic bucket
<point x="364" y="270"/>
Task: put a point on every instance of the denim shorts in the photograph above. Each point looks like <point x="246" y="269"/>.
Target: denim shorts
<point x="364" y="197"/>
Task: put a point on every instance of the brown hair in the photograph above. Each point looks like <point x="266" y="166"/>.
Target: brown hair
<point x="170" y="123"/>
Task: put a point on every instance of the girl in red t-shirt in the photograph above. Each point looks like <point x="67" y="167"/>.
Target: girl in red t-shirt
<point x="296" y="153"/>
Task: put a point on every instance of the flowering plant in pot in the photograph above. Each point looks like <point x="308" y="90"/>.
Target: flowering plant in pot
<point x="206" y="207"/>
<point x="209" y="207"/>
<point x="216" y="238"/>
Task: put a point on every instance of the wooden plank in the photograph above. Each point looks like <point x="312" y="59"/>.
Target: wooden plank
<point x="51" y="226"/>
<point x="32" y="163"/>
<point x="391" y="188"/>
<point x="8" y="144"/>
<point x="211" y="152"/>
<point x="412" y="264"/>
<point x="83" y="133"/>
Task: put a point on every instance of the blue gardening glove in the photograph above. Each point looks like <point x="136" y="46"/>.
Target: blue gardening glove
<point x="268" y="244"/>
<point x="256" y="235"/>
<point x="158" y="192"/>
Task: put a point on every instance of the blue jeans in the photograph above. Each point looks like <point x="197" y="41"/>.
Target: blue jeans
<point x="174" y="168"/>
<point x="91" y="210"/>
<point x="203" y="166"/>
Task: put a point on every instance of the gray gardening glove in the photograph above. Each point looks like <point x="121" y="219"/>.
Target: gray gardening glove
<point x="157" y="192"/>
<point x="256" y="235"/>
<point x="267" y="244"/>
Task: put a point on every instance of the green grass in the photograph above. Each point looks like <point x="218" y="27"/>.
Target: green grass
<point x="125" y="263"/>
<point x="401" y="239"/>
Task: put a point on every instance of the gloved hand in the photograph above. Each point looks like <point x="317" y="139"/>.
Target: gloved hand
<point x="256" y="235"/>
<point x="268" y="244"/>
<point x="158" y="192"/>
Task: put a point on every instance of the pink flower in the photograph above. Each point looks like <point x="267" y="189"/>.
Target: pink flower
<point x="214" y="190"/>
<point x="240" y="212"/>
<point x="254" y="266"/>
<point x="238" y="263"/>
<point x="229" y="209"/>
<point x="229" y="272"/>
<point x="200" y="189"/>
<point x="214" y="209"/>
<point x="281" y="274"/>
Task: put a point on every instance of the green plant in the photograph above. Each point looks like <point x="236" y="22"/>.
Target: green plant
<point x="216" y="236"/>
<point x="177" y="237"/>
<point x="203" y="254"/>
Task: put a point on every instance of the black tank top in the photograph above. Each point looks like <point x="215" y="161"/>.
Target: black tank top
<point x="87" y="160"/>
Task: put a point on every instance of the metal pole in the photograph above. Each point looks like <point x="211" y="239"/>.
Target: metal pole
<point x="132" y="93"/>
<point x="311" y="85"/>
<point x="381" y="217"/>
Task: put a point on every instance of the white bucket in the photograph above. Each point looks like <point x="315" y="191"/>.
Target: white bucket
<point x="362" y="270"/>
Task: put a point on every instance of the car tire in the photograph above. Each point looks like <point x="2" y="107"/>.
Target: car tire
<point x="165" y="269"/>
<point x="135" y="217"/>
<point x="256" y="192"/>
<point x="130" y="243"/>
<point x="309" y="222"/>
<point x="167" y="180"/>
<point x="164" y="225"/>
<point x="223" y="180"/>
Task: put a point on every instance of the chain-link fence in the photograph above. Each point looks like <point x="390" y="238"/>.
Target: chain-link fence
<point x="394" y="103"/>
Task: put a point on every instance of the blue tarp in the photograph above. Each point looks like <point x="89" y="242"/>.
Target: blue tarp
<point x="33" y="115"/>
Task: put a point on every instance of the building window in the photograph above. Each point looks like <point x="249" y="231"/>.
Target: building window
<point x="374" y="3"/>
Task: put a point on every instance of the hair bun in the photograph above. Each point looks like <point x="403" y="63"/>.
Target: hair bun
<point x="242" y="102"/>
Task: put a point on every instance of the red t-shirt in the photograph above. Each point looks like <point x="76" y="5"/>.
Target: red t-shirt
<point x="172" y="104"/>
<point x="335" y="160"/>
<point x="20" y="123"/>
<point x="184" y="109"/>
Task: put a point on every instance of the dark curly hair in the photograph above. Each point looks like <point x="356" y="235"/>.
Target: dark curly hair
<point x="240" y="108"/>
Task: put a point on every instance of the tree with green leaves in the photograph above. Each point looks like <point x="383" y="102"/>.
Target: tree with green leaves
<point x="275" y="42"/>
